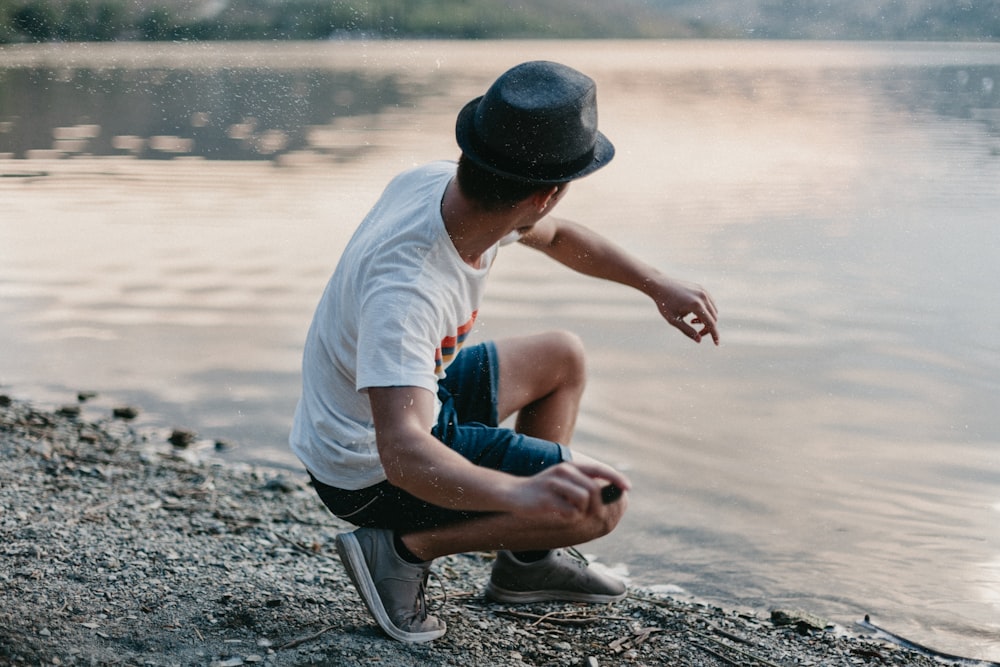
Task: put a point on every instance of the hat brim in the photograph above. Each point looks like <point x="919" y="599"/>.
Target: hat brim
<point x="604" y="150"/>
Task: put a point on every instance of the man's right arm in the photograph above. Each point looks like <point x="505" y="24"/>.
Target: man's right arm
<point x="417" y="462"/>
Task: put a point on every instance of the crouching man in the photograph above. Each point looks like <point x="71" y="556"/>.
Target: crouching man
<point x="398" y="423"/>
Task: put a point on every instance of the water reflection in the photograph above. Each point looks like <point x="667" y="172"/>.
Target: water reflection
<point x="256" y="104"/>
<point x="219" y="114"/>
<point x="962" y="92"/>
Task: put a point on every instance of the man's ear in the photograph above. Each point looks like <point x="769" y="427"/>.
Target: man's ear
<point x="542" y="198"/>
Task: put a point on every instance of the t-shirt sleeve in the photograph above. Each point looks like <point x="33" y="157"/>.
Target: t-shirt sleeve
<point x="395" y="341"/>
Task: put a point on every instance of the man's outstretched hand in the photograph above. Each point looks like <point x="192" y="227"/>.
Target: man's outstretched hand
<point x="688" y="307"/>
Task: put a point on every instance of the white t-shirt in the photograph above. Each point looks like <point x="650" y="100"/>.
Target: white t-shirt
<point x="395" y="312"/>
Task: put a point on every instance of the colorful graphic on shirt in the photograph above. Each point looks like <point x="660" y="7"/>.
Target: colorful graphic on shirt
<point x="450" y="345"/>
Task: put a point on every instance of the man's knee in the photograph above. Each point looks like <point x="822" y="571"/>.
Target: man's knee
<point x="615" y="512"/>
<point x="567" y="352"/>
<point x="604" y="522"/>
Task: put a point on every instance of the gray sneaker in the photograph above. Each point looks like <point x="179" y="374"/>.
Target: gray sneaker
<point x="563" y="574"/>
<point x="393" y="590"/>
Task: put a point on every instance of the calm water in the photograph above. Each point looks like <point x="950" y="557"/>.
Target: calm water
<point x="170" y="215"/>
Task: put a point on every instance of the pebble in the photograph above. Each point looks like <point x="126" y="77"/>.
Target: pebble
<point x="224" y="445"/>
<point x="282" y="484"/>
<point x="181" y="438"/>
<point x="125" y="412"/>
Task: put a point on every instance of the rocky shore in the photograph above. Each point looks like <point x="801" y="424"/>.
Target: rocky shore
<point x="120" y="547"/>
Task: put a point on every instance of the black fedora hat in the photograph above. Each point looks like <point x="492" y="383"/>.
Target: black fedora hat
<point x="537" y="123"/>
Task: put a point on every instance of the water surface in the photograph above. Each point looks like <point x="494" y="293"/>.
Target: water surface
<point x="170" y="214"/>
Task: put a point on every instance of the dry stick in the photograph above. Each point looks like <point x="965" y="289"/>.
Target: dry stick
<point x="635" y="640"/>
<point x="556" y="616"/>
<point x="618" y="645"/>
<point x="717" y="655"/>
<point x="309" y="638"/>
<point x="547" y="618"/>
<point x="730" y="635"/>
<point x="298" y="546"/>
<point x="552" y="617"/>
<point x="745" y="654"/>
<point x="305" y="550"/>
<point x="643" y="634"/>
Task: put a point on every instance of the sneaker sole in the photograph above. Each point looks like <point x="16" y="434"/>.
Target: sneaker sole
<point x="498" y="594"/>
<point x="353" y="558"/>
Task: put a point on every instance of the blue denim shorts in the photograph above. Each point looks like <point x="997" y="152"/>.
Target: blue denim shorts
<point x="467" y="424"/>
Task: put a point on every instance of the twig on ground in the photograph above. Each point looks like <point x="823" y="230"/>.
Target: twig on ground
<point x="307" y="638"/>
<point x="299" y="547"/>
<point x="716" y="654"/>
<point x="560" y="617"/>
<point x="730" y="635"/>
<point x="740" y="652"/>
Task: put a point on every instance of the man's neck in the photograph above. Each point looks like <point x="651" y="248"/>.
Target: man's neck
<point x="473" y="230"/>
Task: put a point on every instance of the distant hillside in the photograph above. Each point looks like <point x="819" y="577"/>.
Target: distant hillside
<point x="105" y="20"/>
<point x="945" y="20"/>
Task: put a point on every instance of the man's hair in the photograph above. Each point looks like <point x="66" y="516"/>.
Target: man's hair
<point x="492" y="191"/>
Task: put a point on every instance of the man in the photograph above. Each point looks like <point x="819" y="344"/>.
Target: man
<point x="398" y="424"/>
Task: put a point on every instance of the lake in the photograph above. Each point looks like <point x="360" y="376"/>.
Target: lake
<point x="171" y="212"/>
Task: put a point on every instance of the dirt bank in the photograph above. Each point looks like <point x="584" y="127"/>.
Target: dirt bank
<point x="118" y="548"/>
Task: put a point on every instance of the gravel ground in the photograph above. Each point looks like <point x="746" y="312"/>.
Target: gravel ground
<point x="118" y="547"/>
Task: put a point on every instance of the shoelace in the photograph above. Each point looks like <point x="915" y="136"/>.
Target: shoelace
<point x="577" y="556"/>
<point x="421" y="607"/>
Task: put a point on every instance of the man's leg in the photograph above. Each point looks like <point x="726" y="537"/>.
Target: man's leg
<point x="531" y="565"/>
<point x="542" y="378"/>
<point x="393" y="589"/>
<point x="512" y="532"/>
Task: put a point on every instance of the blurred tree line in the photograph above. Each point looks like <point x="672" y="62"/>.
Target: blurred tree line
<point x="157" y="20"/>
<point x="105" y="20"/>
<point x="924" y="20"/>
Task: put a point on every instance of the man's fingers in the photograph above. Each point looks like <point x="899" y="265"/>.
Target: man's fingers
<point x="682" y="325"/>
<point x="707" y="319"/>
<point x="712" y="310"/>
<point x="713" y="332"/>
<point x="595" y="470"/>
<point x="569" y="487"/>
<point x="708" y="322"/>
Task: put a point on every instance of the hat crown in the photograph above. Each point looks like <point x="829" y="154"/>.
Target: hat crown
<point x="539" y="112"/>
<point x="537" y="122"/>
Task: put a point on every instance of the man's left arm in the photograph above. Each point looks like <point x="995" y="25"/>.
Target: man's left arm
<point x="684" y="305"/>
